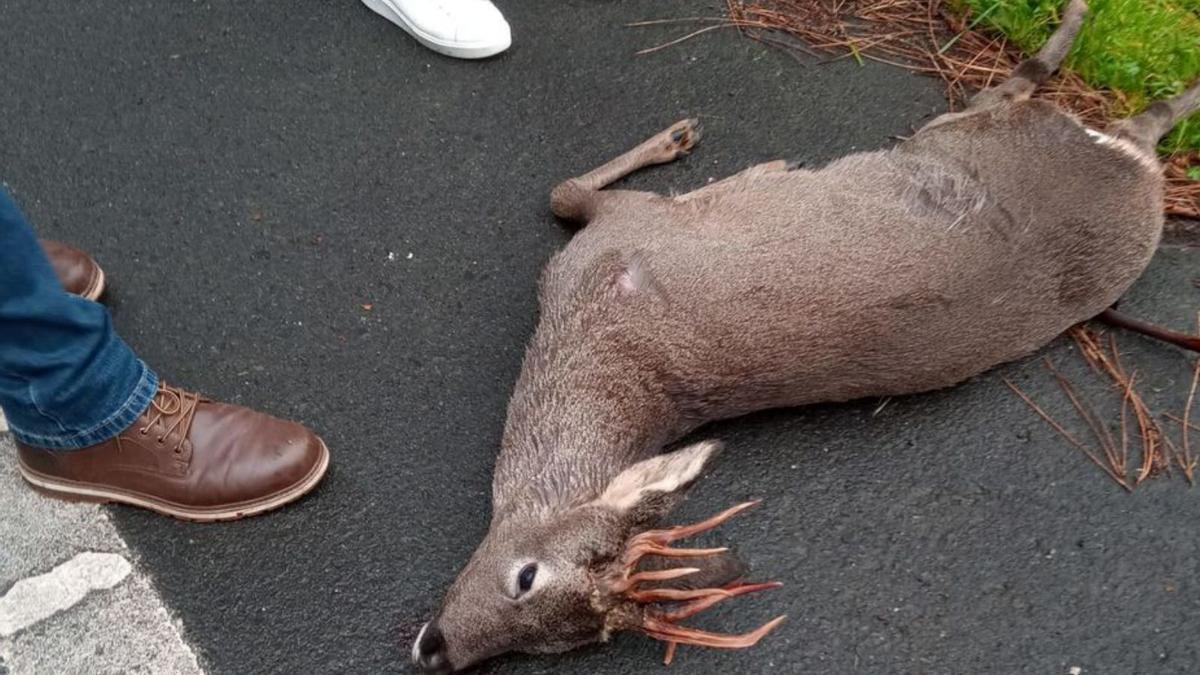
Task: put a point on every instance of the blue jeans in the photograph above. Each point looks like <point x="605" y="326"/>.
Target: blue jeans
<point x="66" y="380"/>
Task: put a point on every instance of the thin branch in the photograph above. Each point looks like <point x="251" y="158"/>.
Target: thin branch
<point x="685" y="38"/>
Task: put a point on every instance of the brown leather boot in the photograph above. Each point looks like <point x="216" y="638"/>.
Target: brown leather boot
<point x="76" y="270"/>
<point x="187" y="457"/>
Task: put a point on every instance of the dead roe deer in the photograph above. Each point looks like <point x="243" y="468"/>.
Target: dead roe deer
<point x="973" y="243"/>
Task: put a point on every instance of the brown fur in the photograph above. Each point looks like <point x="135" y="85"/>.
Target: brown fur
<point x="893" y="272"/>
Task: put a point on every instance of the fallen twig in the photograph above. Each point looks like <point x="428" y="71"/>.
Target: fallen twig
<point x="685" y="38"/>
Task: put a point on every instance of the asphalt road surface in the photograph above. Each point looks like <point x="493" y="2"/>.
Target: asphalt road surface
<point x="254" y="175"/>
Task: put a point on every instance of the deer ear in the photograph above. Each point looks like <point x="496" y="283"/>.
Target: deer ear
<point x="649" y="489"/>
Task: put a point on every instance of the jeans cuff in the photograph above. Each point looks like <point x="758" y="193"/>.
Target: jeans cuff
<point x="109" y="428"/>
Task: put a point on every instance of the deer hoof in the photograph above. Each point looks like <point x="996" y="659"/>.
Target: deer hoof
<point x="682" y="137"/>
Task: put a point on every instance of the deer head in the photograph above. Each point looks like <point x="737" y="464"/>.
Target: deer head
<point x="575" y="575"/>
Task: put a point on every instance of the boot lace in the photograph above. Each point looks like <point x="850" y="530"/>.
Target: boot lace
<point x="171" y="409"/>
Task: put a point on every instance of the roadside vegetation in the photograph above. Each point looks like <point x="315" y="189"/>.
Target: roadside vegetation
<point x="1129" y="54"/>
<point x="1141" y="50"/>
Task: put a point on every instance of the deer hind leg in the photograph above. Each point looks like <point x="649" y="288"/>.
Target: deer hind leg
<point x="575" y="199"/>
<point x="1146" y="128"/>
<point x="1033" y="72"/>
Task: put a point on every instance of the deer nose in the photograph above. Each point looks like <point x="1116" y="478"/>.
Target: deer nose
<point x="429" y="651"/>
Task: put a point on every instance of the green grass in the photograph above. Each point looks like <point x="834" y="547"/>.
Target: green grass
<point x="1147" y="49"/>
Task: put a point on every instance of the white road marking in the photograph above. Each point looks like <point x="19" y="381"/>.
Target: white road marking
<point x="33" y="599"/>
<point x="125" y="629"/>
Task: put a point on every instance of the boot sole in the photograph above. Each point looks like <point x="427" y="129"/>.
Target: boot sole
<point x="96" y="290"/>
<point x="74" y="491"/>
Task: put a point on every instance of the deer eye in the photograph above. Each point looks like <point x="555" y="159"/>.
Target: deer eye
<point x="526" y="576"/>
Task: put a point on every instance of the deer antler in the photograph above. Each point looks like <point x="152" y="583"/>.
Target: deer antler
<point x="662" y="624"/>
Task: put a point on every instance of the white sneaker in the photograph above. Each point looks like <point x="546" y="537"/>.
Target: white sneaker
<point x="465" y="29"/>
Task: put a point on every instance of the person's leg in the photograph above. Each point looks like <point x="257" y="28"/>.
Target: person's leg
<point x="93" y="423"/>
<point x="67" y="381"/>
